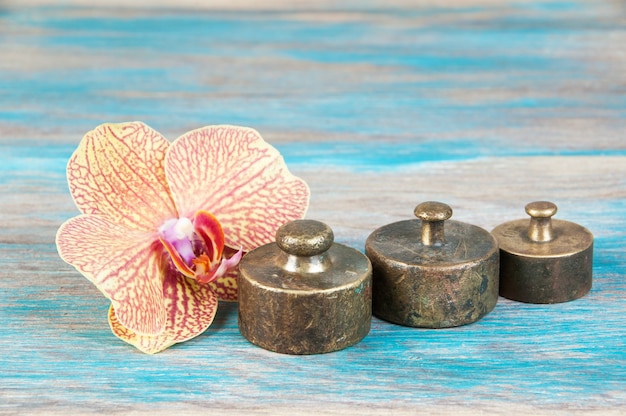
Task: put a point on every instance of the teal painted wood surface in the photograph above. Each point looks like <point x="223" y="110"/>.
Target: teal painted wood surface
<point x="485" y="105"/>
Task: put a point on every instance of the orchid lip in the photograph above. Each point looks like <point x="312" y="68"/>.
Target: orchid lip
<point x="196" y="247"/>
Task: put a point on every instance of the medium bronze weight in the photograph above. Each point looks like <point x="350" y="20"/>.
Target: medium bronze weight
<point x="433" y="273"/>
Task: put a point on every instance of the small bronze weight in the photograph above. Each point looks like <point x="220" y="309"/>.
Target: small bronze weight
<point x="305" y="294"/>
<point x="433" y="273"/>
<point x="544" y="260"/>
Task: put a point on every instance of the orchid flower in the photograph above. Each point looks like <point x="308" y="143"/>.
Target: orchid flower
<point x="163" y="226"/>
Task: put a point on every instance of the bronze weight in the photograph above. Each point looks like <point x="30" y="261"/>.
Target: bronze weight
<point x="433" y="272"/>
<point x="304" y="294"/>
<point x="544" y="260"/>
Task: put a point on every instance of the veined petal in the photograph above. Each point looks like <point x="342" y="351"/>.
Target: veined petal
<point x="225" y="287"/>
<point x="124" y="264"/>
<point x="118" y="171"/>
<point x="235" y="175"/>
<point x="190" y="310"/>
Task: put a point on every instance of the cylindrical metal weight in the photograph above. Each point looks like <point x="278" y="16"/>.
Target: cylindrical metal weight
<point x="544" y="260"/>
<point x="304" y="294"/>
<point x="433" y="272"/>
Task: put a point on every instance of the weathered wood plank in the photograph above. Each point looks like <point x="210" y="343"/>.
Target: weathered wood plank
<point x="378" y="106"/>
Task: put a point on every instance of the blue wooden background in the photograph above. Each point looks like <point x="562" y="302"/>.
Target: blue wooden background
<point x="485" y="105"/>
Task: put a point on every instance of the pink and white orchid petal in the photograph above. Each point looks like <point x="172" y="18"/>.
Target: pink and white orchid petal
<point x="228" y="264"/>
<point x="210" y="230"/>
<point x="118" y="171"/>
<point x="124" y="264"/>
<point x="225" y="265"/>
<point x="190" y="310"/>
<point x="243" y="181"/>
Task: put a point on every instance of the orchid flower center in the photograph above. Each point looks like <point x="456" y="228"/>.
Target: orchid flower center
<point x="196" y="247"/>
<point x="179" y="233"/>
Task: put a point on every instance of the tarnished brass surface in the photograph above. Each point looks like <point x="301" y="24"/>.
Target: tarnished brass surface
<point x="305" y="294"/>
<point x="544" y="260"/>
<point x="433" y="273"/>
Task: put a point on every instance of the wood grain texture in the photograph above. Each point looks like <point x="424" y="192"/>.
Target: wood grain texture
<point x="485" y="105"/>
